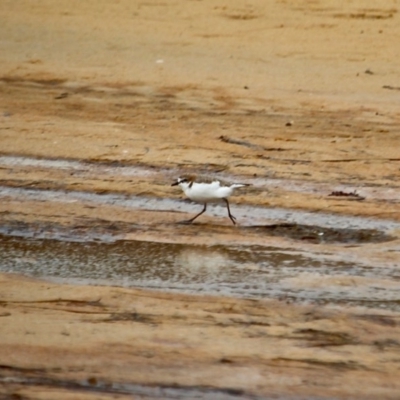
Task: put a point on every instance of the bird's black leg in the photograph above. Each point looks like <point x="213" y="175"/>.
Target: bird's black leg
<point x="229" y="212"/>
<point x="198" y="215"/>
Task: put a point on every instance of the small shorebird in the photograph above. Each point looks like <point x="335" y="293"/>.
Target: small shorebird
<point x="207" y="192"/>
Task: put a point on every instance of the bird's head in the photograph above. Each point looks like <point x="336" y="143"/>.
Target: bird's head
<point x="184" y="181"/>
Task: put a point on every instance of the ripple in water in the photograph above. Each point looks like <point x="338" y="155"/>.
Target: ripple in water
<point x="243" y="271"/>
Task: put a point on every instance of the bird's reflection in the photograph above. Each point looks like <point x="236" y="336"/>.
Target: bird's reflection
<point x="203" y="263"/>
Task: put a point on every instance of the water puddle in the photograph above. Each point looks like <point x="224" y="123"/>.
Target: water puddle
<point x="243" y="271"/>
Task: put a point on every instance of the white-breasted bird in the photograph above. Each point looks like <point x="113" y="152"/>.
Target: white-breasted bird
<point x="204" y="192"/>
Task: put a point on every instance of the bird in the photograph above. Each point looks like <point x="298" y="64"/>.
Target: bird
<point x="204" y="192"/>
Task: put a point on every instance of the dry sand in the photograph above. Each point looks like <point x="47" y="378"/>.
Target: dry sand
<point x="303" y="94"/>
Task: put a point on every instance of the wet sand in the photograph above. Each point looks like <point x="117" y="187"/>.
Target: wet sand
<point x="58" y="340"/>
<point x="300" y="101"/>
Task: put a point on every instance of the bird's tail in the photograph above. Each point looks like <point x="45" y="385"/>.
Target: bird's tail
<point x="239" y="185"/>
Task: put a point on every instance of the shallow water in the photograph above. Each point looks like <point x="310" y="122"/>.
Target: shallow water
<point x="244" y="271"/>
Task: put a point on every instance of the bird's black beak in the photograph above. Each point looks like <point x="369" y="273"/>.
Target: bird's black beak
<point x="176" y="183"/>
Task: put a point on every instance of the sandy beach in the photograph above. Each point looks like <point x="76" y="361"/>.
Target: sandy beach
<point x="299" y="100"/>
